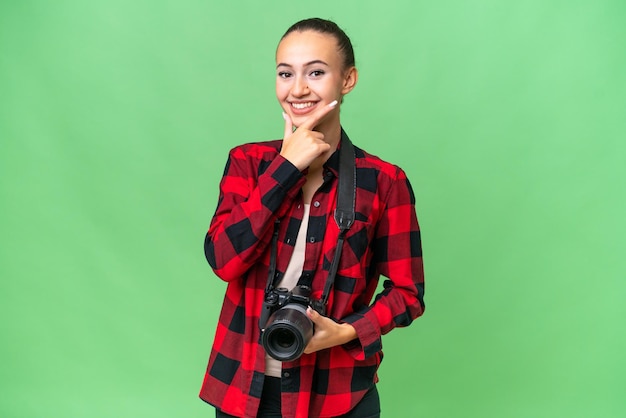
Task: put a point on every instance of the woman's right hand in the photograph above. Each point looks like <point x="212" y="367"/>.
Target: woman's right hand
<point x="302" y="146"/>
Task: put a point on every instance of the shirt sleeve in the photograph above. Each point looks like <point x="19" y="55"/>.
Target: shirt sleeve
<point x="248" y="205"/>
<point x="398" y="256"/>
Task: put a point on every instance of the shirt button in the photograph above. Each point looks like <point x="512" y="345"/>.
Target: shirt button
<point x="312" y="240"/>
<point x="316" y="204"/>
<point x="286" y="374"/>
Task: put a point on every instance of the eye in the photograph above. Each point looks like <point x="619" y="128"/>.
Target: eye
<point x="316" y="73"/>
<point x="284" y="74"/>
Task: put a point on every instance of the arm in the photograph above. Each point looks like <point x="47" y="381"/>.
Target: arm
<point x="242" y="226"/>
<point x="248" y="205"/>
<point x="398" y="256"/>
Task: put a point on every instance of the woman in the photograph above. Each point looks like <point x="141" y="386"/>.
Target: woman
<point x="290" y="187"/>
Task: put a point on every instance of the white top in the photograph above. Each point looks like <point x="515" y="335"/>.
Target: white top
<point x="290" y="280"/>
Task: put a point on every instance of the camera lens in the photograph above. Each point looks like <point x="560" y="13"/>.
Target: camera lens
<point x="288" y="332"/>
<point x="284" y="339"/>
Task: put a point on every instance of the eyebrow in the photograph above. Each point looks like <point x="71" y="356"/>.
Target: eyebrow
<point x="282" y="64"/>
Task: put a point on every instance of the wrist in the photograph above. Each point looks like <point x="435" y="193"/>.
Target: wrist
<point x="348" y="333"/>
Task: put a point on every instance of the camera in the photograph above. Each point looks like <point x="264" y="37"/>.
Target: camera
<point x="284" y="323"/>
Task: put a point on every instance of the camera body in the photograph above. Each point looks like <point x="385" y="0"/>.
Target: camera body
<point x="286" y="328"/>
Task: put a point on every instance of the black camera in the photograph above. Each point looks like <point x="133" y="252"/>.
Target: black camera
<point x="285" y="325"/>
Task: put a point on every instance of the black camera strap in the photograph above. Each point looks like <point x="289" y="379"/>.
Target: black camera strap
<point x="271" y="275"/>
<point x="344" y="213"/>
<point x="344" y="217"/>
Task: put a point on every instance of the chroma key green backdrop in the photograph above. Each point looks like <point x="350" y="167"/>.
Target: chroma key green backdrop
<point x="509" y="117"/>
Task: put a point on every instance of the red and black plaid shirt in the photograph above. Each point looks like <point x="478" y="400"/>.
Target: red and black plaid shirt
<point x="260" y="186"/>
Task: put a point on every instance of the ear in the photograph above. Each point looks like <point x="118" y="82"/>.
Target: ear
<point x="349" y="80"/>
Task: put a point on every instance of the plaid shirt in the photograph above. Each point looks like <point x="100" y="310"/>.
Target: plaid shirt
<point x="260" y="186"/>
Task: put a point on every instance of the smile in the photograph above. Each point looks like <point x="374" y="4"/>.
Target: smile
<point x="302" y="105"/>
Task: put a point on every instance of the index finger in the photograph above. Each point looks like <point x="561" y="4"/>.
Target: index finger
<point x="312" y="120"/>
<point x="288" y="126"/>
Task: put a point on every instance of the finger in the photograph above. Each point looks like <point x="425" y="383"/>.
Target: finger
<point x="288" y="126"/>
<point x="317" y="116"/>
<point x="313" y="314"/>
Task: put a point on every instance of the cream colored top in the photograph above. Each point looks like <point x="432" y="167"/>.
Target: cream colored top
<point x="290" y="280"/>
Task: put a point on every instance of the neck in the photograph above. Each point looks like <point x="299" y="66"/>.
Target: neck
<point x="332" y="136"/>
<point x="332" y="132"/>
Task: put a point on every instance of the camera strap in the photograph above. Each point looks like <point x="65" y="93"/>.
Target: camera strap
<point x="344" y="217"/>
<point x="344" y="213"/>
<point x="271" y="274"/>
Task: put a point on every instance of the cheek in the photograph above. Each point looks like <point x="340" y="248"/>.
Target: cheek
<point x="281" y="90"/>
<point x="331" y="88"/>
<point x="281" y="96"/>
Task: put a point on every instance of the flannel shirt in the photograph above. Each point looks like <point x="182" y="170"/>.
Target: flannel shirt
<point x="259" y="187"/>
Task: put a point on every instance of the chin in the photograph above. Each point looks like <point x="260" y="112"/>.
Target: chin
<point x="297" y="119"/>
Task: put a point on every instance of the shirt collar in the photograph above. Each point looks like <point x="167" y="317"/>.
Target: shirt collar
<point x="332" y="164"/>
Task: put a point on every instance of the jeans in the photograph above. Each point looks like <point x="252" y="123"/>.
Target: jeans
<point x="368" y="407"/>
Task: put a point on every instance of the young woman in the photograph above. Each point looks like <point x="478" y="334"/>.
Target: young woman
<point x="288" y="189"/>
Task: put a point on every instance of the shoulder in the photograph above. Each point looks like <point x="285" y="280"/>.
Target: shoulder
<point x="367" y="162"/>
<point x="252" y="159"/>
<point x="258" y="150"/>
<point x="382" y="178"/>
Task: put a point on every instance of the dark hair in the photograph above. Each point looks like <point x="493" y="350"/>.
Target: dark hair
<point x="326" y="26"/>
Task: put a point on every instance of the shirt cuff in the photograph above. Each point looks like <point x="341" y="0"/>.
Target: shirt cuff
<point x="285" y="173"/>
<point x="368" y="341"/>
<point x="280" y="185"/>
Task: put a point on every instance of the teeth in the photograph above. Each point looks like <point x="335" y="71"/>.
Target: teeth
<point x="302" y="105"/>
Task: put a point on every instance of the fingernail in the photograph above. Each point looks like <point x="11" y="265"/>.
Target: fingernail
<point x="284" y="116"/>
<point x="333" y="103"/>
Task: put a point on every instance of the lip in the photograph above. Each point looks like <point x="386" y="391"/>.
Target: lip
<point x="302" y="107"/>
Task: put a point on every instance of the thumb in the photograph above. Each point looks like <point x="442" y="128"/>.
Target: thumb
<point x="288" y="126"/>
<point x="313" y="314"/>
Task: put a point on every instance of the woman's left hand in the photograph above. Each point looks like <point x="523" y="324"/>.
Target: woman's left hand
<point x="328" y="333"/>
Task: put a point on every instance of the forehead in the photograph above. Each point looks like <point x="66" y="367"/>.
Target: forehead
<point x="301" y="47"/>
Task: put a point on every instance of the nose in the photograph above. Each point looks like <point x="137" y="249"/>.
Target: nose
<point x="300" y="87"/>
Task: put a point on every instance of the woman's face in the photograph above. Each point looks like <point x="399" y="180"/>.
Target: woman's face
<point x="310" y="74"/>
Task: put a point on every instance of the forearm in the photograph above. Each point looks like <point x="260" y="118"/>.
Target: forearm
<point x="243" y="223"/>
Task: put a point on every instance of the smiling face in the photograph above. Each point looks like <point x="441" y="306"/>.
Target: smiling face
<point x="309" y="74"/>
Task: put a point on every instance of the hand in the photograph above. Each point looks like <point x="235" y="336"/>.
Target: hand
<point x="302" y="146"/>
<point x="328" y="333"/>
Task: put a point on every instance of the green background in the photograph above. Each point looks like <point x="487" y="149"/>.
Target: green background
<point x="509" y="118"/>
